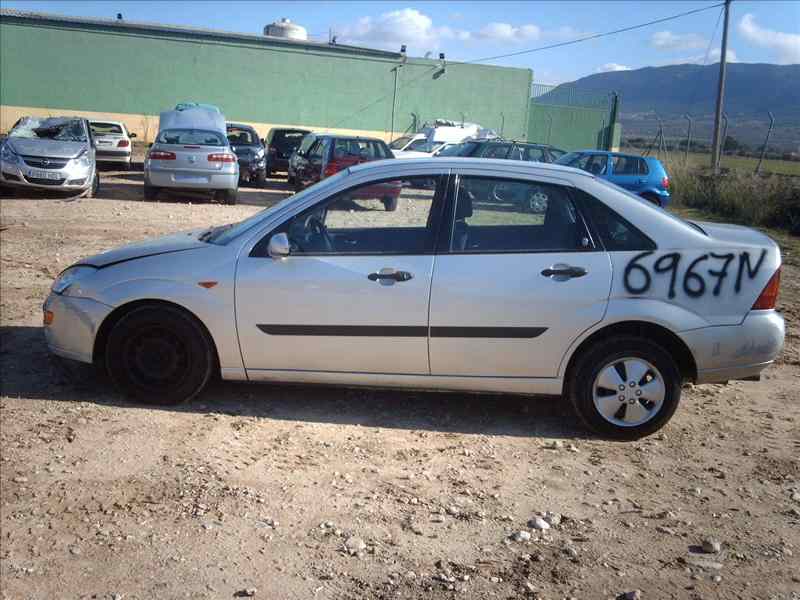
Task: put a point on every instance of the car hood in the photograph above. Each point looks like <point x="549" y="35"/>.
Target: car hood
<point x="46" y="147"/>
<point x="736" y="235"/>
<point x="177" y="242"/>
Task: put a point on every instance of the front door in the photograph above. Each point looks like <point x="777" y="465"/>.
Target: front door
<point x="353" y="294"/>
<point x="516" y="282"/>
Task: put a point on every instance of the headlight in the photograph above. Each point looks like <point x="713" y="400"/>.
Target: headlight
<point x="69" y="277"/>
<point x="260" y="153"/>
<point x="8" y="155"/>
<point x="82" y="160"/>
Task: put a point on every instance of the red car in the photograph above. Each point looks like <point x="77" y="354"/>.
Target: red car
<point x="329" y="154"/>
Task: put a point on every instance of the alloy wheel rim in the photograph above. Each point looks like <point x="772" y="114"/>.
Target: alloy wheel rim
<point x="628" y="392"/>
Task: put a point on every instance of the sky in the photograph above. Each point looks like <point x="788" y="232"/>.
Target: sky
<point x="760" y="30"/>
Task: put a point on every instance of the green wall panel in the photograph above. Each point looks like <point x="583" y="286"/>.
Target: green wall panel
<point x="88" y="67"/>
<point x="568" y="127"/>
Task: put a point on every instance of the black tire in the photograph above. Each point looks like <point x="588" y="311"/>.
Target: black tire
<point x="261" y="178"/>
<point x="159" y="355"/>
<point x="229" y="197"/>
<point x="652" y="198"/>
<point x="389" y="203"/>
<point x="150" y="192"/>
<point x="95" y="187"/>
<point x="289" y="179"/>
<point x="588" y="367"/>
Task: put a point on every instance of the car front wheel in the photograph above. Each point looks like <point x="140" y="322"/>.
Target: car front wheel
<point x="159" y="355"/>
<point x="625" y="387"/>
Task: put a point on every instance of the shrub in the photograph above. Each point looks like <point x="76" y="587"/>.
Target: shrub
<point x="770" y="201"/>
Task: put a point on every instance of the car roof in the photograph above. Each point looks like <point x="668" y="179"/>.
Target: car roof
<point x="239" y="125"/>
<point x="342" y="136"/>
<point x="441" y="162"/>
<point x="111" y="121"/>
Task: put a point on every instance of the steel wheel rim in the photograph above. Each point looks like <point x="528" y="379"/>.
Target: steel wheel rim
<point x="628" y="392"/>
<point x="156" y="359"/>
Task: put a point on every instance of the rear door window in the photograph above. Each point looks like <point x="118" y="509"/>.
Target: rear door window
<point x="643" y="170"/>
<point x="496" y="151"/>
<point x="625" y="165"/>
<point x="533" y="154"/>
<point x="493" y="215"/>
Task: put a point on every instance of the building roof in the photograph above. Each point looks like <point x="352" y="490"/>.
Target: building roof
<point x="184" y="31"/>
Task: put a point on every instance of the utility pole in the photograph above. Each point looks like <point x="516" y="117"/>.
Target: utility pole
<point x="723" y="60"/>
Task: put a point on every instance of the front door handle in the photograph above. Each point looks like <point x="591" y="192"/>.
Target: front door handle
<point x="565" y="271"/>
<point x="390" y="275"/>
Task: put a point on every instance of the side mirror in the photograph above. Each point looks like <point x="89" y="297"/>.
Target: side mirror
<point x="131" y="135"/>
<point x="279" y="246"/>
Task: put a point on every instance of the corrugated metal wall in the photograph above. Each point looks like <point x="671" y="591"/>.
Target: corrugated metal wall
<point x="571" y="121"/>
<point x="66" y="66"/>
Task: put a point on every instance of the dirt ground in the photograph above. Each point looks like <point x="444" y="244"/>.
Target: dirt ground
<point x="310" y="492"/>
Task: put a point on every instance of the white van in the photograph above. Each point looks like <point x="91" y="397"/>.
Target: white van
<point x="432" y="137"/>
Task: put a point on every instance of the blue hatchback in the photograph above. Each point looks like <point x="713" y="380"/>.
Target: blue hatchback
<point x="643" y="175"/>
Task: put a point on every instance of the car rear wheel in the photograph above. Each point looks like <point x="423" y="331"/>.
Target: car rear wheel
<point x="652" y="198"/>
<point x="150" y="192"/>
<point x="226" y="196"/>
<point x="159" y="355"/>
<point x="625" y="387"/>
<point x="261" y="178"/>
<point x="390" y="204"/>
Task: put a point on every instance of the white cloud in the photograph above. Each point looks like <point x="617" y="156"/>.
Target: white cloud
<point x="700" y="59"/>
<point x="416" y="29"/>
<point x="666" y="40"/>
<point x="504" y="32"/>
<point x="390" y="30"/>
<point x="609" y="67"/>
<point x="787" y="45"/>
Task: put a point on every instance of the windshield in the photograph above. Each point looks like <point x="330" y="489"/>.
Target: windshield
<point x="569" y="159"/>
<point x="53" y="128"/>
<point x="400" y="143"/>
<point x="101" y="129"/>
<point x="194" y="137"/>
<point x="424" y="146"/>
<point x="288" y="141"/>
<point x="224" y="234"/>
<point x="242" y="136"/>
<point x="463" y="149"/>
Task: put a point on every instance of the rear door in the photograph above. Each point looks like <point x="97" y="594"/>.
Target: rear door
<point x="625" y="171"/>
<point x="517" y="279"/>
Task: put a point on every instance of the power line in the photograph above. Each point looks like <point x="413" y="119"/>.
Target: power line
<point x="597" y="35"/>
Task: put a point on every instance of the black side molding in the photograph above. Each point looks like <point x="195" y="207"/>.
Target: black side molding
<point x="402" y="331"/>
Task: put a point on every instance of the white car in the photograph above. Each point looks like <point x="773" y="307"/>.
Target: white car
<point x="504" y="276"/>
<point x="113" y="142"/>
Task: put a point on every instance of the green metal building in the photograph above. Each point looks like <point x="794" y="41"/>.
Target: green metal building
<point x="132" y="71"/>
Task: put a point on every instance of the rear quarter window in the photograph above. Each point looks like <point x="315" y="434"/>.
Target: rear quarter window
<point x="614" y="231"/>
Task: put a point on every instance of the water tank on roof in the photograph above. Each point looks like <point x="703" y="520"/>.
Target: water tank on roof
<point x="286" y="29"/>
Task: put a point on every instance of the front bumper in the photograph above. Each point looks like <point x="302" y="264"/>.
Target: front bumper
<point x="739" y="351"/>
<point x="74" y="325"/>
<point x="69" y="178"/>
<point x="192" y="180"/>
<point x="248" y="168"/>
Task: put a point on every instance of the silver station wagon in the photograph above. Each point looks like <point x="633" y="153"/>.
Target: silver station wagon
<point x="491" y="276"/>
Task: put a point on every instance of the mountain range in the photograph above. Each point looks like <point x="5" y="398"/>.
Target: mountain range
<point x="669" y="92"/>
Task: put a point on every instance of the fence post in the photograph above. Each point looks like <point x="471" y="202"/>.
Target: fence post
<point x="766" y="141"/>
<point x="688" y="139"/>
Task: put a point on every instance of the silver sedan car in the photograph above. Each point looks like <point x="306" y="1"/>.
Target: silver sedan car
<point x="192" y="152"/>
<point x="491" y="276"/>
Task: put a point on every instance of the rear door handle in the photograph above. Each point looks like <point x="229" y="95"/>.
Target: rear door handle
<point x="390" y="275"/>
<point x="565" y="271"/>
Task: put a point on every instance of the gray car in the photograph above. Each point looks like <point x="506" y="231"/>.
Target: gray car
<point x="192" y="152"/>
<point x="53" y="153"/>
<point x="494" y="276"/>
